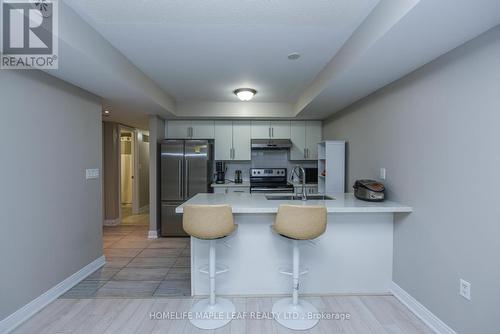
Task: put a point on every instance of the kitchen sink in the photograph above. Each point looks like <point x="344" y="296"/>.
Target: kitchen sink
<point x="299" y="198"/>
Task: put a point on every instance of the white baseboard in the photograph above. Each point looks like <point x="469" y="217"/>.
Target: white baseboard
<point x="24" y="313"/>
<point x="421" y="311"/>
<point x="112" y="222"/>
<point x="153" y="235"/>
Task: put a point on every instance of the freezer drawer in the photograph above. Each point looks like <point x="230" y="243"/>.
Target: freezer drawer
<point x="171" y="222"/>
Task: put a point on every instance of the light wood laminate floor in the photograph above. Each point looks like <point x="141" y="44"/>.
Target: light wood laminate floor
<point x="368" y="314"/>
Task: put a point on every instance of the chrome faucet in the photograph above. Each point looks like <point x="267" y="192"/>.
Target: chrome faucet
<point x="303" y="172"/>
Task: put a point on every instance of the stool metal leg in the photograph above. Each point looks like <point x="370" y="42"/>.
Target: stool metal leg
<point x="295" y="313"/>
<point x="211" y="264"/>
<point x="219" y="310"/>
<point x="296" y="259"/>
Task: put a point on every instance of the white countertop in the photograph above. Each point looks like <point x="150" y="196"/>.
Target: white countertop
<point x="257" y="203"/>
<point x="230" y="184"/>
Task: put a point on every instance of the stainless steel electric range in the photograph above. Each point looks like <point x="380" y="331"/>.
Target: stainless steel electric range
<point x="269" y="180"/>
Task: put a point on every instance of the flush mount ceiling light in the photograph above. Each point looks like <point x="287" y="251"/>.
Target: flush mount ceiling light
<point x="245" y="94"/>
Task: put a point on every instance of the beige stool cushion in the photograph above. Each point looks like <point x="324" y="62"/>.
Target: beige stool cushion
<point x="301" y="222"/>
<point x="208" y="221"/>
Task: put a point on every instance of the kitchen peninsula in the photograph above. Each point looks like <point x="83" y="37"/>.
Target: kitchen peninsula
<point x="354" y="255"/>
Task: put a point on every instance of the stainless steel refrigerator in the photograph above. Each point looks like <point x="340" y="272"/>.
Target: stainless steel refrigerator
<point x="186" y="169"/>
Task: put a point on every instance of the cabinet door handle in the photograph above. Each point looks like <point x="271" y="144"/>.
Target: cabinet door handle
<point x="192" y="132"/>
<point x="272" y="132"/>
<point x="234" y="154"/>
<point x="269" y="130"/>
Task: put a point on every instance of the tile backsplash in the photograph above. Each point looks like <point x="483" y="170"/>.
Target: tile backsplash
<point x="265" y="159"/>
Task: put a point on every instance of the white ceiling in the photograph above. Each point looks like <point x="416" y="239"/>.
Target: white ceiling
<point x="203" y="50"/>
<point x="428" y="31"/>
<point x="183" y="58"/>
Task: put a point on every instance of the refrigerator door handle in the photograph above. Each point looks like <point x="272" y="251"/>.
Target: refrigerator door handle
<point x="179" y="174"/>
<point x="186" y="180"/>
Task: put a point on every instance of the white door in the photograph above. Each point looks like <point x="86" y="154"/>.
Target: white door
<point x="241" y="140"/>
<point x="202" y="129"/>
<point x="313" y="137"/>
<point x="223" y="140"/>
<point x="280" y="129"/>
<point x="298" y="138"/>
<point x="178" y="129"/>
<point x="261" y="129"/>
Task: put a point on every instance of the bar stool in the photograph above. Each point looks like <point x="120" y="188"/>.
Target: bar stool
<point x="297" y="223"/>
<point x="210" y="222"/>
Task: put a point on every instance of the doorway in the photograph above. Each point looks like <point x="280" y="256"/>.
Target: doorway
<point x="128" y="194"/>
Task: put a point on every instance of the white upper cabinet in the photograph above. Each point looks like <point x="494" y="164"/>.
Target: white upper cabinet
<point x="190" y="129"/>
<point x="232" y="140"/>
<point x="298" y="138"/>
<point x="270" y="129"/>
<point x="305" y="136"/>
<point x="261" y="129"/>
<point x="280" y="129"/>
<point x="223" y="140"/>
<point x="202" y="129"/>
<point x="241" y="140"/>
<point x="178" y="129"/>
<point x="313" y="137"/>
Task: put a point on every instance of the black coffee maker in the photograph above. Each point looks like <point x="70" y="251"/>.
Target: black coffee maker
<point x="220" y="172"/>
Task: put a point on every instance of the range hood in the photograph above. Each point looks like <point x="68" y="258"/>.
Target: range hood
<point x="271" y="144"/>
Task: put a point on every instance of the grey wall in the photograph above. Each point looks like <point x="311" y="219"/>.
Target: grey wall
<point x="111" y="172"/>
<point x="156" y="133"/>
<point x="143" y="156"/>
<point x="50" y="217"/>
<point x="437" y="133"/>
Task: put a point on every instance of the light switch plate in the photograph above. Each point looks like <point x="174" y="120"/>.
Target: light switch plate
<point x="92" y="173"/>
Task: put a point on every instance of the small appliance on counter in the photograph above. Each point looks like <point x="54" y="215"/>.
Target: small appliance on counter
<point x="369" y="190"/>
<point x="237" y="176"/>
<point x="220" y="172"/>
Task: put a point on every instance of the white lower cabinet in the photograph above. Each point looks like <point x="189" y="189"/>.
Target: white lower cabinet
<point x="310" y="189"/>
<point x="232" y="140"/>
<point x="229" y="190"/>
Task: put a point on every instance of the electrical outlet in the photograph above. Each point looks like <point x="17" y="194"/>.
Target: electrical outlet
<point x="465" y="289"/>
<point x="382" y="174"/>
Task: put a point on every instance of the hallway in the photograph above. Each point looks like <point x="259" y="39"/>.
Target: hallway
<point x="138" y="267"/>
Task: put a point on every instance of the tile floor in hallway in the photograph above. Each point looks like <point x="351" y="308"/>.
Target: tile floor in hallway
<point x="138" y="267"/>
